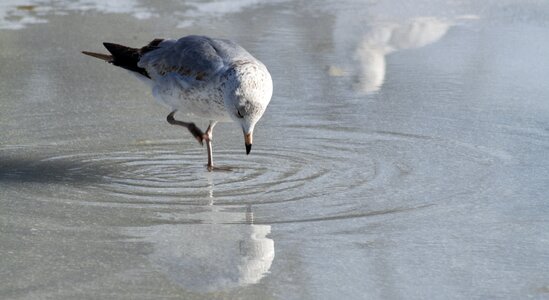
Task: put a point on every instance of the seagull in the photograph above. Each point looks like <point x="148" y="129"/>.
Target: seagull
<point x="209" y="78"/>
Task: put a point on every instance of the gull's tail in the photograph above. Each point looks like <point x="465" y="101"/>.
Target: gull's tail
<point x="105" y="57"/>
<point x="125" y="57"/>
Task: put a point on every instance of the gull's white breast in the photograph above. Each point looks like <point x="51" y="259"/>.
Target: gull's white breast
<point x="201" y="99"/>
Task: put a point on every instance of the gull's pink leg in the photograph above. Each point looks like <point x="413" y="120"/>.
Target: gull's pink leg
<point x="208" y="138"/>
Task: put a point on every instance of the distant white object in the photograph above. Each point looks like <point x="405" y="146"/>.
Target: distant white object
<point x="213" y="79"/>
<point x="378" y="39"/>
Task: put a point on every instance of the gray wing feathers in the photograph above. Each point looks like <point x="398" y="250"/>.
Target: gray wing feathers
<point x="192" y="57"/>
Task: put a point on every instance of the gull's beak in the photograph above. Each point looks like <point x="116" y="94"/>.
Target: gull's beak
<point x="248" y="139"/>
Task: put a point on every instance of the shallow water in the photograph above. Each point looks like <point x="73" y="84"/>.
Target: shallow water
<point x="404" y="155"/>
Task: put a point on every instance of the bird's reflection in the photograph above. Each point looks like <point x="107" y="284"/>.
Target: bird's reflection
<point x="211" y="256"/>
<point x="362" y="45"/>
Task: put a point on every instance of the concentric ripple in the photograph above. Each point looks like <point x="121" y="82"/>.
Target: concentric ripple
<point x="160" y="176"/>
<point x="375" y="173"/>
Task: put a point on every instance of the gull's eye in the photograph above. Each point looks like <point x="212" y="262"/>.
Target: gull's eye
<point x="239" y="114"/>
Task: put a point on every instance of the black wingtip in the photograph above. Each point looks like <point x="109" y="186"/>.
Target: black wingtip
<point x="126" y="57"/>
<point x="112" y="47"/>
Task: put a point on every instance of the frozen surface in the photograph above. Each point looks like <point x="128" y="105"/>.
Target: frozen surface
<point x="405" y="155"/>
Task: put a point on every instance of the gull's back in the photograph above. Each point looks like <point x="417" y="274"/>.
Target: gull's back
<point x="196" y="57"/>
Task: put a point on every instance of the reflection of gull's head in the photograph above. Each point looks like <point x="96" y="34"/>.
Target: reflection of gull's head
<point x="373" y="42"/>
<point x="211" y="257"/>
<point x="257" y="254"/>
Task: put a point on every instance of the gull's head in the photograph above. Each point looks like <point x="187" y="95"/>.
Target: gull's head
<point x="246" y="114"/>
<point x="250" y="93"/>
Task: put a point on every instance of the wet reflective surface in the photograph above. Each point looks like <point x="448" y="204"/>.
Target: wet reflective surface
<point x="404" y="155"/>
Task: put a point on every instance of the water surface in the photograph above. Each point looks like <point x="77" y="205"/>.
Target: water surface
<point x="404" y="155"/>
